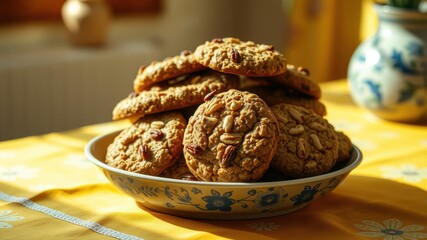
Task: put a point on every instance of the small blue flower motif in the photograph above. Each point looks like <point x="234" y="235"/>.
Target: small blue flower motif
<point x="268" y="200"/>
<point x="219" y="202"/>
<point x="306" y="195"/>
<point x="196" y="191"/>
<point x="169" y="205"/>
<point x="251" y="192"/>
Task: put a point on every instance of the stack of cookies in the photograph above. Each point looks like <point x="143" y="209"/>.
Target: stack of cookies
<point x="229" y="111"/>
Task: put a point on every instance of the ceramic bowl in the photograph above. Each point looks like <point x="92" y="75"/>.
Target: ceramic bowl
<point x="215" y="200"/>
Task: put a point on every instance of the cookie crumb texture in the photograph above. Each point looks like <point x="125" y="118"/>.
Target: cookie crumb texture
<point x="298" y="78"/>
<point x="308" y="144"/>
<point x="150" y="145"/>
<point x="274" y="94"/>
<point x="232" y="137"/>
<point x="248" y="111"/>
<point x="231" y="55"/>
<point x="179" y="170"/>
<point x="168" y="68"/>
<point x="344" y="146"/>
<point x="177" y="93"/>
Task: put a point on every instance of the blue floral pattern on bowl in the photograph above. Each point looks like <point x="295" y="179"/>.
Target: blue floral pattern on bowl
<point x="388" y="72"/>
<point x="260" y="199"/>
<point x="218" y="200"/>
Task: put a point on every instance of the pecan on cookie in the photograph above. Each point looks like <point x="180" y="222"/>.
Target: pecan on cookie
<point x="176" y="93"/>
<point x="308" y="145"/>
<point x="232" y="137"/>
<point x="298" y="78"/>
<point x="231" y="55"/>
<point x="168" y="68"/>
<point x="150" y="145"/>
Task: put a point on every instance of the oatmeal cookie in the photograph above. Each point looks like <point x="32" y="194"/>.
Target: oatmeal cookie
<point x="177" y="93"/>
<point x="232" y="137"/>
<point x="150" y="145"/>
<point x="231" y="55"/>
<point x="253" y="82"/>
<point x="179" y="170"/>
<point x="273" y="95"/>
<point x="168" y="68"/>
<point x="345" y="147"/>
<point x="298" y="78"/>
<point x="308" y="145"/>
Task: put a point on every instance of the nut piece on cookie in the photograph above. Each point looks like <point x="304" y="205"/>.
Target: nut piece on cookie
<point x="168" y="68"/>
<point x="308" y="144"/>
<point x="231" y="55"/>
<point x="232" y="137"/>
<point x="176" y="93"/>
<point x="150" y="145"/>
<point x="298" y="78"/>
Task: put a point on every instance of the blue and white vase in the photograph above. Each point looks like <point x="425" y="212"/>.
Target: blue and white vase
<point x="388" y="72"/>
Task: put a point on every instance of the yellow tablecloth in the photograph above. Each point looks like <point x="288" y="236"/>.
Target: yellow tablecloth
<point x="48" y="190"/>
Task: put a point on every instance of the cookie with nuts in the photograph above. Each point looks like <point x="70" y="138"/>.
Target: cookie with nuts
<point x="345" y="146"/>
<point x="298" y="79"/>
<point x="274" y="94"/>
<point x="308" y="144"/>
<point x="231" y="137"/>
<point x="168" y="68"/>
<point x="179" y="170"/>
<point x="176" y="93"/>
<point x="148" y="146"/>
<point x="231" y="55"/>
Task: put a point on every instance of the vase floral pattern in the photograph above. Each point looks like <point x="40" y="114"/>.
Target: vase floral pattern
<point x="388" y="72"/>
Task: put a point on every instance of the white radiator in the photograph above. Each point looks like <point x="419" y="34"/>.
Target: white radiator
<point x="60" y="89"/>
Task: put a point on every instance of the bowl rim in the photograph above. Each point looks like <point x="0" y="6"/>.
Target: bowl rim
<point x="356" y="154"/>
